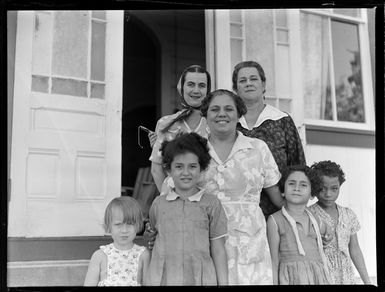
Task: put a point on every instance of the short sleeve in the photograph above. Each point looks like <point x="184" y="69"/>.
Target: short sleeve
<point x="272" y="174"/>
<point x="353" y="220"/>
<point x="218" y="219"/>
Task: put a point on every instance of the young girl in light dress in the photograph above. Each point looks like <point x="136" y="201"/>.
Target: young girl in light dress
<point x="189" y="248"/>
<point x="344" y="246"/>
<point x="294" y="234"/>
<point x="120" y="263"/>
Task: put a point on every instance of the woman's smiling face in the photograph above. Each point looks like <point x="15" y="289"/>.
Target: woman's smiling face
<point x="222" y="115"/>
<point x="194" y="88"/>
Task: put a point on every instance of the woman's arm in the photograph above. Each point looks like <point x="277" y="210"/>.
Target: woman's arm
<point x="219" y="255"/>
<point x="358" y="259"/>
<point x="93" y="272"/>
<point x="158" y="174"/>
<point x="144" y="261"/>
<point x="275" y="196"/>
<point x="273" y="240"/>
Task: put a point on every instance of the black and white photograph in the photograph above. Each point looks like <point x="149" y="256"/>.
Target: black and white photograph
<point x="197" y="146"/>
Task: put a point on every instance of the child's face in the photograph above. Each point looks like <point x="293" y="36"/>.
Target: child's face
<point x="297" y="188"/>
<point x="123" y="234"/>
<point x="185" y="172"/>
<point x="329" y="192"/>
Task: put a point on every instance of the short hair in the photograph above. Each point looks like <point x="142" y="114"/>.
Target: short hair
<point x="186" y="143"/>
<point x="329" y="168"/>
<point x="247" y="64"/>
<point x="132" y="213"/>
<point x="195" y="69"/>
<point x="239" y="103"/>
<point x="315" y="180"/>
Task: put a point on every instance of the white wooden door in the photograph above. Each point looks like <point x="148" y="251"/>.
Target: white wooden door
<point x="66" y="136"/>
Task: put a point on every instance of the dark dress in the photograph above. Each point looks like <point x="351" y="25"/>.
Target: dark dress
<point x="279" y="132"/>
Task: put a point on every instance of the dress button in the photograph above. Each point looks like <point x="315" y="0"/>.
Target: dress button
<point x="221" y="168"/>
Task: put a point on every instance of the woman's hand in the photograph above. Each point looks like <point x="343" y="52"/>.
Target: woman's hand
<point x="149" y="235"/>
<point x="152" y="136"/>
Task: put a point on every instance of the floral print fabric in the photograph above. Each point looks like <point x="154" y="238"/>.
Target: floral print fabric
<point x="122" y="265"/>
<point x="238" y="182"/>
<point x="279" y="132"/>
<point x="337" y="251"/>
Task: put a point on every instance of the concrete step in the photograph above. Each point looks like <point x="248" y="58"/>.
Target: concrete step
<point x="46" y="273"/>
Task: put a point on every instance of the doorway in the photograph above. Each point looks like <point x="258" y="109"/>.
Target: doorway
<point x="141" y="95"/>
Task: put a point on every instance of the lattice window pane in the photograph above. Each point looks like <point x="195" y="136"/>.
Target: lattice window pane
<point x="284" y="105"/>
<point x="235" y="15"/>
<point x="69" y="87"/>
<point x="97" y="90"/>
<point x="40" y="84"/>
<point x="41" y="51"/>
<point x="98" y="51"/>
<point x="347" y="72"/>
<point x="348" y="12"/>
<point x="281" y="18"/>
<point x="282" y="36"/>
<point x="283" y="87"/>
<point x="70" y="44"/>
<point x="235" y="30"/>
<point x="236" y="51"/>
<point x="99" y="14"/>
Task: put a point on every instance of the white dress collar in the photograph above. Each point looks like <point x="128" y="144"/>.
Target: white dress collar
<point x="268" y="113"/>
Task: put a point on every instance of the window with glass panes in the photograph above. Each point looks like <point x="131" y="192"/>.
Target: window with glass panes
<point x="332" y="65"/>
<point x="74" y="62"/>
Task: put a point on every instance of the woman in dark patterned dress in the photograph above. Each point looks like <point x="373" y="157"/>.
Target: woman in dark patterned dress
<point x="266" y="122"/>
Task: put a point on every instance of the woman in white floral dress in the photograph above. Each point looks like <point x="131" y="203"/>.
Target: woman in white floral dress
<point x="240" y="168"/>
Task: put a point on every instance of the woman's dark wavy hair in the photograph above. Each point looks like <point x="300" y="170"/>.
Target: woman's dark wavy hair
<point x="329" y="168"/>
<point x="239" y="104"/>
<point x="247" y="64"/>
<point x="186" y="143"/>
<point x="315" y="180"/>
<point x="187" y="112"/>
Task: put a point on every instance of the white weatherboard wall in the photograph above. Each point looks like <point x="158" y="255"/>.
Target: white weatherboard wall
<point x="358" y="192"/>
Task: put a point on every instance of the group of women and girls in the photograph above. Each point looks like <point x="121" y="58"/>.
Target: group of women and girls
<point x="233" y="208"/>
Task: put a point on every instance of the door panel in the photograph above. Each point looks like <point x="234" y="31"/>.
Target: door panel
<point x="66" y="144"/>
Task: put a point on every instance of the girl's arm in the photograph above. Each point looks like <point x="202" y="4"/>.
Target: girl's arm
<point x="275" y="196"/>
<point x="144" y="261"/>
<point x="94" y="269"/>
<point x="158" y="174"/>
<point x="273" y="240"/>
<point x="358" y="259"/>
<point x="219" y="255"/>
